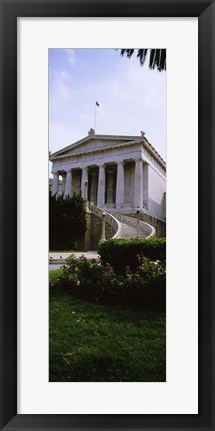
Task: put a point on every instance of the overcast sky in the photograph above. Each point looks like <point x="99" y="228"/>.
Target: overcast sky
<point x="131" y="97"/>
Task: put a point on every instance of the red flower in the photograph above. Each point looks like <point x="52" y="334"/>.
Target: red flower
<point x="138" y="256"/>
<point x="127" y="267"/>
<point x="142" y="268"/>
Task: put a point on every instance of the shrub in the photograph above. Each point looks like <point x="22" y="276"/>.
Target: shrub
<point x="67" y="221"/>
<point x="121" y="252"/>
<point x="88" y="279"/>
<point x="141" y="288"/>
<point x="146" y="284"/>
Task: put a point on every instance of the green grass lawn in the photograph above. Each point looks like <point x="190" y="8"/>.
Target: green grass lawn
<point x="54" y="275"/>
<point x="94" y="343"/>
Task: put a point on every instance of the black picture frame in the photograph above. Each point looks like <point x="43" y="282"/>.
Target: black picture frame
<point x="10" y="11"/>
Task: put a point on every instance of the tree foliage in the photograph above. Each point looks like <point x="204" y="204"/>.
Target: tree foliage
<point x="67" y="221"/>
<point x="157" y="57"/>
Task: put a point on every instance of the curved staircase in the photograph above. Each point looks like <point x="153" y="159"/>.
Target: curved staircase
<point x="124" y="226"/>
<point x="133" y="228"/>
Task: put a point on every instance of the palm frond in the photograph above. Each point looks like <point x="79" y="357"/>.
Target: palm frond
<point x="157" y="57"/>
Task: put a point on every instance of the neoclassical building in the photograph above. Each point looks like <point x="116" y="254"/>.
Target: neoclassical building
<point x="117" y="173"/>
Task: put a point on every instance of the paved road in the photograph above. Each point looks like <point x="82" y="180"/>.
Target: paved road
<point x="54" y="266"/>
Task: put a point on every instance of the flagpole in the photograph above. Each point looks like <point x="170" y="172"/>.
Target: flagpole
<point x="97" y="104"/>
<point x="95" y="118"/>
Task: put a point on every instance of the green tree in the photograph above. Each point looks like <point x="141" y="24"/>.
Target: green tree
<point x="157" y="57"/>
<point x="67" y="221"/>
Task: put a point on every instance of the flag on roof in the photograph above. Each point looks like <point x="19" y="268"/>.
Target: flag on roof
<point x="97" y="104"/>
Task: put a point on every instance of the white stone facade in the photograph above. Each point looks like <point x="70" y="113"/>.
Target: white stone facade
<point x="117" y="173"/>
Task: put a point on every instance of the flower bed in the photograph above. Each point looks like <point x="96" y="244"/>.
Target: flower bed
<point x="142" y="286"/>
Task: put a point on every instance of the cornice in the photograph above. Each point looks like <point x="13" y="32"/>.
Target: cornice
<point x="146" y="146"/>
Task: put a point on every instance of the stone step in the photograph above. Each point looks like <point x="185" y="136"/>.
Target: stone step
<point x="127" y="231"/>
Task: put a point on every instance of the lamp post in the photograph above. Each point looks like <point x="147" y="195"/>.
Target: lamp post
<point x="138" y="222"/>
<point x="103" y="226"/>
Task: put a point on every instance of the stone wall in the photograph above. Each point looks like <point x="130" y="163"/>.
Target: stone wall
<point x="156" y="190"/>
<point x="94" y="231"/>
<point x="145" y="184"/>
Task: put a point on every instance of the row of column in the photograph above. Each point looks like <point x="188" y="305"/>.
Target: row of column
<point x="120" y="184"/>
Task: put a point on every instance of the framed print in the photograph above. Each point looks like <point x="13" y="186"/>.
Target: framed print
<point x="185" y="398"/>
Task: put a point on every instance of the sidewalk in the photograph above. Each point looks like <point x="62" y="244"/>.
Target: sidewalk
<point x="59" y="257"/>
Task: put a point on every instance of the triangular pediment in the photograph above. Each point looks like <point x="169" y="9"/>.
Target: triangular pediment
<point x="93" y="143"/>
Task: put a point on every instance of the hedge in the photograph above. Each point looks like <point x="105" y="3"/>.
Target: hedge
<point x="120" y="253"/>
